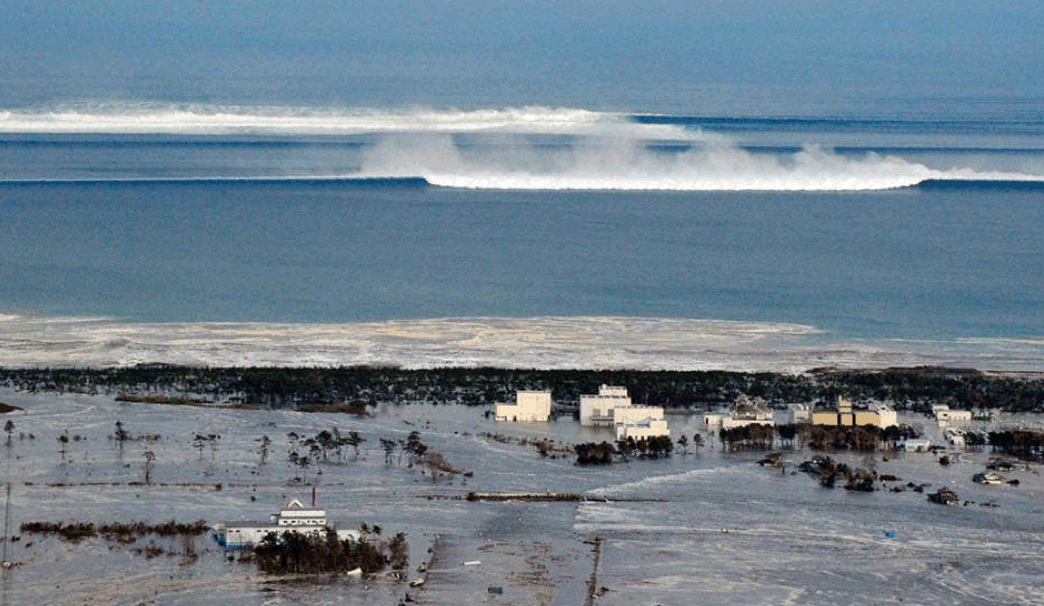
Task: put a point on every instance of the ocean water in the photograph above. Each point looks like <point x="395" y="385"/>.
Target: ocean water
<point x="530" y="236"/>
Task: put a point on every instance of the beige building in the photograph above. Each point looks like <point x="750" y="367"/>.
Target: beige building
<point x="846" y="416"/>
<point x="529" y="406"/>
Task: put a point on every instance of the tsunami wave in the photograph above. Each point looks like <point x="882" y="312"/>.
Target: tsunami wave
<point x="527" y="148"/>
<point x="593" y="342"/>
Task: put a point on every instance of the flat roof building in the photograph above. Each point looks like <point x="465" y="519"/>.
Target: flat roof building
<point x="529" y="406"/>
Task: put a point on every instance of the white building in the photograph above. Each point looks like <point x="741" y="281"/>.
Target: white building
<point x="293" y="517"/>
<point x="748" y="411"/>
<point x="646" y="428"/>
<point x="797" y="413"/>
<point x="956" y="436"/>
<point x="916" y="445"/>
<point x="612" y="407"/>
<point x="598" y="409"/>
<point x="529" y="406"/>
<point x="945" y="417"/>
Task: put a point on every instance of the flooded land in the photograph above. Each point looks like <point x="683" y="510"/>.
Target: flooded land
<point x="706" y="527"/>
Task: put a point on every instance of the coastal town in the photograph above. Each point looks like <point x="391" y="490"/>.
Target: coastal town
<point x="414" y="502"/>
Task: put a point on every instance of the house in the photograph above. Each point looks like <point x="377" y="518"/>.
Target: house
<point x="877" y="414"/>
<point x="529" y="406"/>
<point x="293" y="517"/>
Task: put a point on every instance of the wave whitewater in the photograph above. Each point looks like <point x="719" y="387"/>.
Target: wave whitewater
<point x="526" y="148"/>
<point x="596" y="342"/>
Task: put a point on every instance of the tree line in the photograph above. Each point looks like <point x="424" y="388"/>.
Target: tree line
<point x="356" y="387"/>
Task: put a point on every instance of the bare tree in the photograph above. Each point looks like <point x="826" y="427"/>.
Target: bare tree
<point x="121" y="436"/>
<point x="63" y="444"/>
<point x="262" y="450"/>
<point x="150" y="458"/>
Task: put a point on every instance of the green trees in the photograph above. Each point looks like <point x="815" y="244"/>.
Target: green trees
<point x="755" y="436"/>
<point x="653" y="447"/>
<point x="595" y="454"/>
<point x="315" y="553"/>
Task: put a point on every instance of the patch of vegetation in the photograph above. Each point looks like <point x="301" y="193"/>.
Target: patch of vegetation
<point x="314" y="553"/>
<point x="119" y="532"/>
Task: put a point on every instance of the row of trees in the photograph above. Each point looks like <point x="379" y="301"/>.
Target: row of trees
<point x="603" y="453"/>
<point x="358" y="386"/>
<point x="864" y="438"/>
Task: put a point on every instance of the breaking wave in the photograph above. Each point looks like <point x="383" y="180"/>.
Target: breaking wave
<point x="596" y="342"/>
<point x="526" y="148"/>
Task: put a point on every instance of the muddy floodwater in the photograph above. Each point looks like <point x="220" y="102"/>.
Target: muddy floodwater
<point x="699" y="528"/>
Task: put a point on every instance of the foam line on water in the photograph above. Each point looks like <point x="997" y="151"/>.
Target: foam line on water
<point x="540" y="342"/>
<point x="508" y="148"/>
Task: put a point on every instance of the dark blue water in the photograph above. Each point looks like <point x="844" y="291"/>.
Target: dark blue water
<point x="205" y="214"/>
<point x="910" y="263"/>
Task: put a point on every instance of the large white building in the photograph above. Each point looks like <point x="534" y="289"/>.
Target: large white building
<point x="597" y="409"/>
<point x="529" y="406"/>
<point x="611" y="407"/>
<point x="293" y="517"/>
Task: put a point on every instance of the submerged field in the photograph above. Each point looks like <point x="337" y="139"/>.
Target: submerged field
<point x="707" y="528"/>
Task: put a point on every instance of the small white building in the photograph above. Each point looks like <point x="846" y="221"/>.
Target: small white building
<point x="956" y="436"/>
<point x="645" y="428"/>
<point x="797" y="413"/>
<point x="597" y="409"/>
<point x="529" y="406"/>
<point x="946" y="417"/>
<point x="293" y="517"/>
<point x="916" y="445"/>
<point x="748" y="411"/>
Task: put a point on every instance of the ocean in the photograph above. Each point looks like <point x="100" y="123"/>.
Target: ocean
<point x="522" y="236"/>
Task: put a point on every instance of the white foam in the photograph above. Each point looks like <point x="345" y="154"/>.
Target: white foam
<point x="621" y="159"/>
<point x="603" y="150"/>
<point x="541" y="342"/>
<point x="200" y="119"/>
